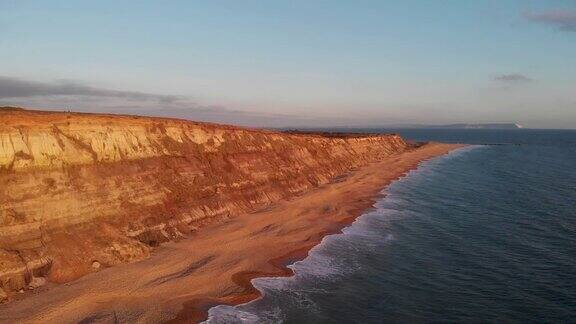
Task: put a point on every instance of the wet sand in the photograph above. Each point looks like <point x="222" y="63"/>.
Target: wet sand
<point x="182" y="280"/>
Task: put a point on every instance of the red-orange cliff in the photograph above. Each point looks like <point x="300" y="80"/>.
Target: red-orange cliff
<point x="84" y="191"/>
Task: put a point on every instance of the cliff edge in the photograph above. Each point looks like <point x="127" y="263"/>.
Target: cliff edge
<point x="79" y="192"/>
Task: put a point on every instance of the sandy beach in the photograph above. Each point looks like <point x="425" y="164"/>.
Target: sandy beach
<point x="182" y="280"/>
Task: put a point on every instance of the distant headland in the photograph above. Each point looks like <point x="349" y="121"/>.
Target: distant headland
<point x="480" y="126"/>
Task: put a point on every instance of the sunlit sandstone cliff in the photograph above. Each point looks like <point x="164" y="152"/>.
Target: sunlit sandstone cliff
<point x="79" y="192"/>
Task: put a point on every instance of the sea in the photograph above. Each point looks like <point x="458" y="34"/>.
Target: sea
<point x="484" y="234"/>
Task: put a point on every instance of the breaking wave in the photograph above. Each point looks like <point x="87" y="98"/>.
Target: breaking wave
<point x="325" y="262"/>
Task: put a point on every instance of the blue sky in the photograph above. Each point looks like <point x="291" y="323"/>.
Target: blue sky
<point x="355" y="63"/>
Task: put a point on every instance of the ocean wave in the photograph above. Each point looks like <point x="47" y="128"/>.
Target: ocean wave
<point x="324" y="261"/>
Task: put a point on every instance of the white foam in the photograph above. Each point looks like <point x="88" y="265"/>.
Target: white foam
<point x="321" y="262"/>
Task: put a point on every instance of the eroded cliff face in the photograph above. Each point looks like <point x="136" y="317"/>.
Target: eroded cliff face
<point x="79" y="191"/>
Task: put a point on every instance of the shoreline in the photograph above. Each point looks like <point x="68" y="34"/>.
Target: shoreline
<point x="168" y="288"/>
<point x="198" y="310"/>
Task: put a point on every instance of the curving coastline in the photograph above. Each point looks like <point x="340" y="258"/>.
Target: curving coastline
<point x="83" y="192"/>
<point x="197" y="310"/>
<point x="180" y="281"/>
